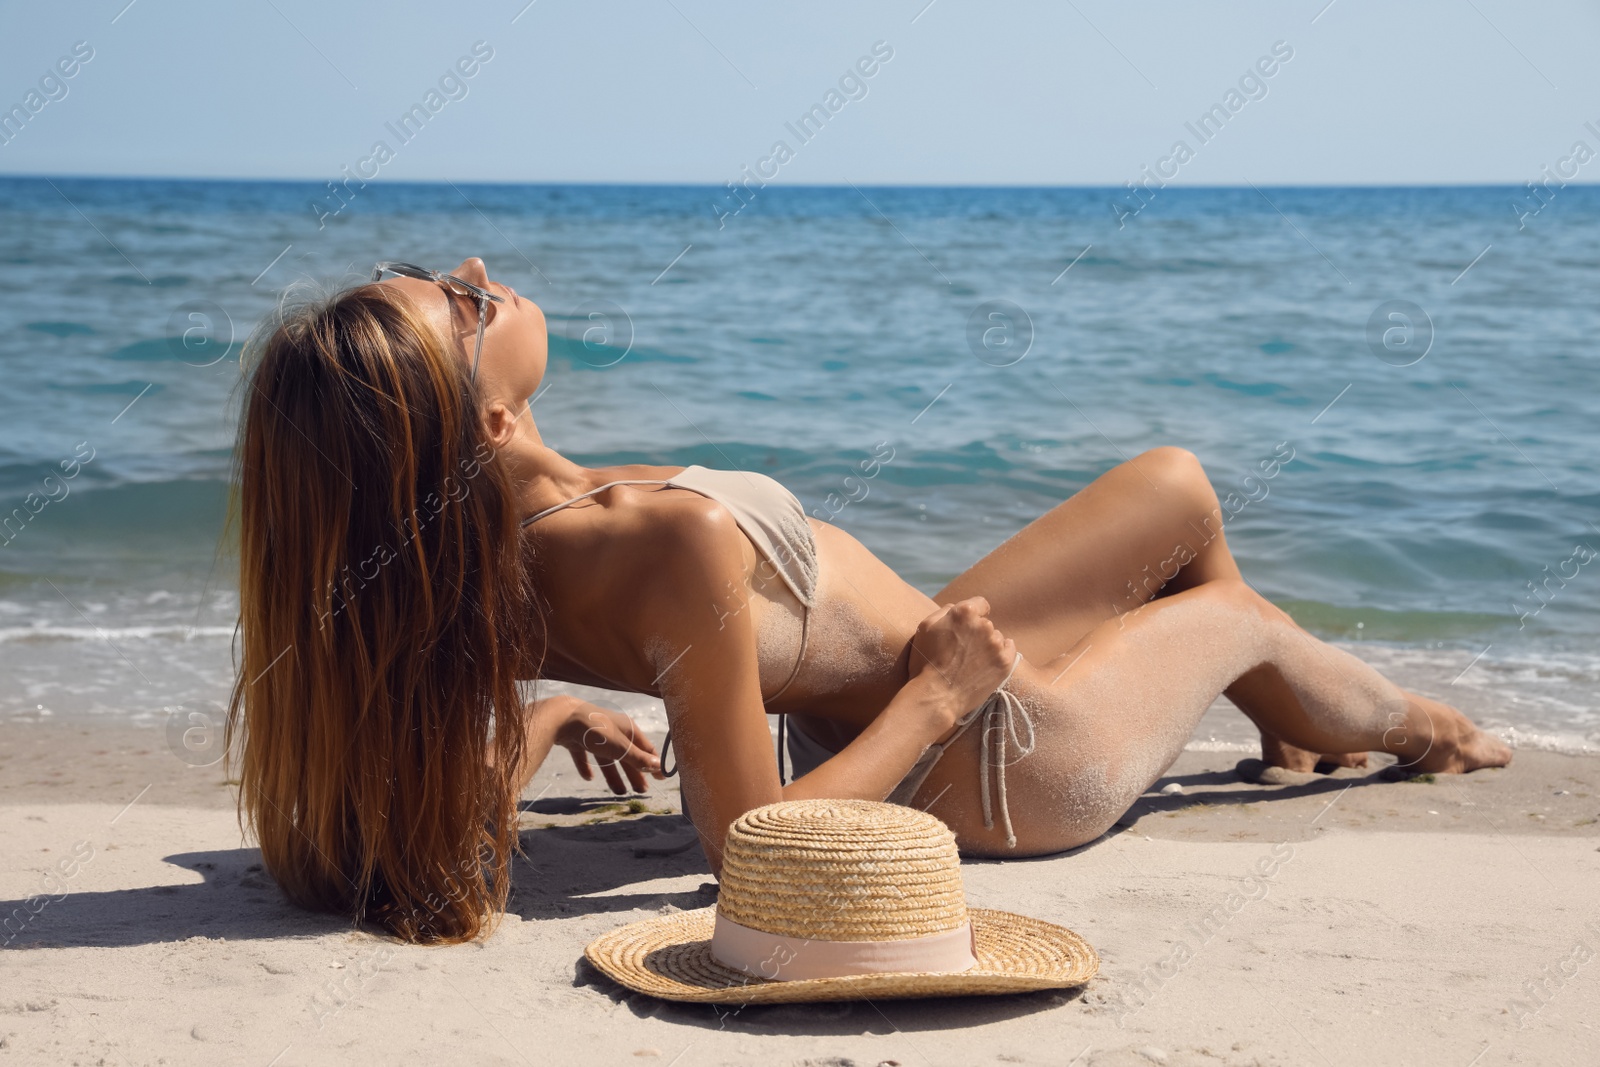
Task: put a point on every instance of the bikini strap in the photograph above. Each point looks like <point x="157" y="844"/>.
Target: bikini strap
<point x="805" y="624"/>
<point x="783" y="740"/>
<point x="783" y="720"/>
<point x="531" y="519"/>
<point x="666" y="749"/>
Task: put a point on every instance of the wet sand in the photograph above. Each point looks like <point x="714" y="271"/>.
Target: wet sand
<point x="1406" y="922"/>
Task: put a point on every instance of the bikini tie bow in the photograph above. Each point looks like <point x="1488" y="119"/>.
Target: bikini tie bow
<point x="1005" y="721"/>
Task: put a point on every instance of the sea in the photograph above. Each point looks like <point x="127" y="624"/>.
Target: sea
<point x="1395" y="390"/>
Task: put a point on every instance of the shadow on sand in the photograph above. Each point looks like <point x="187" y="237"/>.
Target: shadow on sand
<point x="847" y="1018"/>
<point x="1222" y="788"/>
<point x="565" y="871"/>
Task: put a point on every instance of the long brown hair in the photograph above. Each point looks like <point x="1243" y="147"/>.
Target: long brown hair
<point x="385" y="611"/>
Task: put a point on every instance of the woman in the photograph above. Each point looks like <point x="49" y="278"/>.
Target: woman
<point x="411" y="549"/>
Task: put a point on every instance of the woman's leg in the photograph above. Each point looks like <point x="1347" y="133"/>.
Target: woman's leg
<point x="1147" y="528"/>
<point x="1115" y="719"/>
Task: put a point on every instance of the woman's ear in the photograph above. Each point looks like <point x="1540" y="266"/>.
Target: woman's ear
<point x="501" y="423"/>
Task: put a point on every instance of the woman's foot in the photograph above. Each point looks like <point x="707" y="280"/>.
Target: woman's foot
<point x="1452" y="744"/>
<point x="1455" y="744"/>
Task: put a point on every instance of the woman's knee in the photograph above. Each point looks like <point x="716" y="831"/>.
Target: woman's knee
<point x="1233" y="593"/>
<point x="1239" y="596"/>
<point x="1177" y="471"/>
<point x="1183" y="507"/>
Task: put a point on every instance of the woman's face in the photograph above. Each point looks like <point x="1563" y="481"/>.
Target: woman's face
<point x="515" y="342"/>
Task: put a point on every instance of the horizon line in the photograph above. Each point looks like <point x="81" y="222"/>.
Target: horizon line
<point x="594" y="183"/>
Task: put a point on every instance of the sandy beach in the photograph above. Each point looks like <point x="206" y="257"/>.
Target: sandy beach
<point x="1449" y="922"/>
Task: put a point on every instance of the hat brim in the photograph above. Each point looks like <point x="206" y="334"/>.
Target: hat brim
<point x="670" y="957"/>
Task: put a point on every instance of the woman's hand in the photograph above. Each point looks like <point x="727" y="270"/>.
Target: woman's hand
<point x="958" y="652"/>
<point x="617" y="744"/>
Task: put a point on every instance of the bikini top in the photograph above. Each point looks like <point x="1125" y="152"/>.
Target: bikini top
<point x="775" y="522"/>
<point x="768" y="514"/>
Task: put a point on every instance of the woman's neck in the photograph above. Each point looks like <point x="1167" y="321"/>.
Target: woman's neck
<point x="540" y="475"/>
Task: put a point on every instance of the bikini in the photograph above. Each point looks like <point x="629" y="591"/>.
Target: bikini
<point x="775" y="522"/>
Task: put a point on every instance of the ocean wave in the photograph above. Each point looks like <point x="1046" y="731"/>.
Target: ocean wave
<point x="567" y="343"/>
<point x="42" y="633"/>
<point x="101" y="515"/>
<point x="1213" y="745"/>
<point x="1564" y="744"/>
<point x="1386" y="624"/>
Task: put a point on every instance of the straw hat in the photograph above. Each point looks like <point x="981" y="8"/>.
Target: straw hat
<point x="840" y="900"/>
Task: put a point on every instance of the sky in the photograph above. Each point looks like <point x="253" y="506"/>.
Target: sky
<point x="1070" y="92"/>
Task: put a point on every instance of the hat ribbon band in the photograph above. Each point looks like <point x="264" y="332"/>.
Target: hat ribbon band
<point x="788" y="959"/>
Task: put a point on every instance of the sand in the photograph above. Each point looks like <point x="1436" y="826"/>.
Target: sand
<point x="1349" y="921"/>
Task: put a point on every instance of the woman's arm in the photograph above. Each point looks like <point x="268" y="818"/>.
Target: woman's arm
<point x="701" y="642"/>
<point x="689" y="619"/>
<point x="957" y="660"/>
<point x="871" y="766"/>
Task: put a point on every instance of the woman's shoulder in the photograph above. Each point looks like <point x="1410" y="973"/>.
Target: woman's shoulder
<point x="619" y="584"/>
<point x="632" y="517"/>
<point x="641" y="544"/>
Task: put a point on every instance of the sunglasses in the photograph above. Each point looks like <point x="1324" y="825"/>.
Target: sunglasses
<point x="452" y="284"/>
